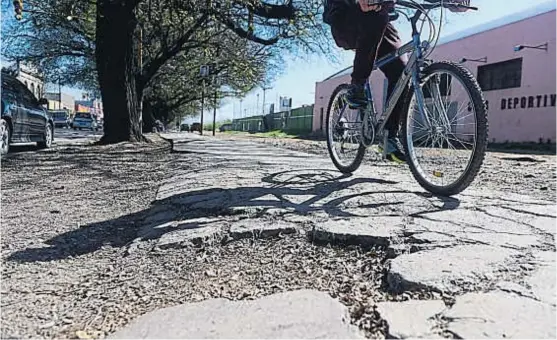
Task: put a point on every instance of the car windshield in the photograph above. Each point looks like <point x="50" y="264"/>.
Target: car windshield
<point x="84" y="115"/>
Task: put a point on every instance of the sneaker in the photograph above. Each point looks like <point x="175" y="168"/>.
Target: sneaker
<point x="394" y="153"/>
<point x="356" y="96"/>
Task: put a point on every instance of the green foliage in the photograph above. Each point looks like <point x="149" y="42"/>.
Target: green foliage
<point x="246" y="39"/>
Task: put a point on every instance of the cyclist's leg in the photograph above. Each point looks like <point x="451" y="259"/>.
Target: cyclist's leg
<point x="391" y="42"/>
<point x="393" y="71"/>
<point x="370" y="29"/>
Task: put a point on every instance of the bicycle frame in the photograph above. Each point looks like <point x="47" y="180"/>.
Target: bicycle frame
<point x="410" y="73"/>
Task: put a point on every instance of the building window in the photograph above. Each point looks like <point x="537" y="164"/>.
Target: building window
<point x="33" y="89"/>
<point x="499" y="76"/>
<point x="321" y="119"/>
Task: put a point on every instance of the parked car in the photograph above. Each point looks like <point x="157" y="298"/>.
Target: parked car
<point x="84" y="120"/>
<point x="23" y="119"/>
<point x="61" y="118"/>
<point x="195" y="127"/>
<point x="185" y="127"/>
<point x="225" y="127"/>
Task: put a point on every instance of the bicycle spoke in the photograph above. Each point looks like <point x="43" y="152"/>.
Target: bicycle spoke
<point x="442" y="151"/>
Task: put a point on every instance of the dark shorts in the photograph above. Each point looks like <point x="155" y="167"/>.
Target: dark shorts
<point x="354" y="24"/>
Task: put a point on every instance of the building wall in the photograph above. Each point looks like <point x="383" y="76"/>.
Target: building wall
<point x="68" y="101"/>
<point x="519" y="123"/>
<point x="33" y="83"/>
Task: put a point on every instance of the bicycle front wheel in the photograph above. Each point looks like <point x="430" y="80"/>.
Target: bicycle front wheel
<point x="343" y="133"/>
<point x="445" y="139"/>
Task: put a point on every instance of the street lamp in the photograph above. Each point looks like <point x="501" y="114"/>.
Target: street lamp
<point x="544" y="47"/>
<point x="480" y="60"/>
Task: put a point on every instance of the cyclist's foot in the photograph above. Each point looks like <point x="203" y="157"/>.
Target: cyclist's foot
<point x="356" y="96"/>
<point x="394" y="153"/>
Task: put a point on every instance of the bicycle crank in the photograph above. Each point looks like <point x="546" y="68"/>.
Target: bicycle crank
<point x="368" y="131"/>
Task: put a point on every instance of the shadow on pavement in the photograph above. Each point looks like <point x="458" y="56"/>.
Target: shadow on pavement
<point x="310" y="185"/>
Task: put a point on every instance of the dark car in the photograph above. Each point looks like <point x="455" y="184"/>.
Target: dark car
<point x="61" y="118"/>
<point x="195" y="127"/>
<point x="184" y="127"/>
<point x="23" y="118"/>
<point x="225" y="127"/>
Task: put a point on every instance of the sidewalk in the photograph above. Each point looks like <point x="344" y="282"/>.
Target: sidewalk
<point x="489" y="254"/>
<point x="227" y="238"/>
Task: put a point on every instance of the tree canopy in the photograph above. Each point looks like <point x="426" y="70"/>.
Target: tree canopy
<point x="151" y="50"/>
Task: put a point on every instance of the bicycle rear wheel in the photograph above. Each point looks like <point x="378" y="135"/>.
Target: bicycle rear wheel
<point x="344" y="132"/>
<point x="446" y="145"/>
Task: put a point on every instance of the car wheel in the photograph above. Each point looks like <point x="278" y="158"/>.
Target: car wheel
<point x="48" y="137"/>
<point x="4" y="137"/>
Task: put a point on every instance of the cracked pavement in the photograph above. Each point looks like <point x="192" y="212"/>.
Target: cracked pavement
<point x="237" y="238"/>
<point x="492" y="251"/>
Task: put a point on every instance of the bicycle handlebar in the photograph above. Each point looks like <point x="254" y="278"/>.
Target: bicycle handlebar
<point x="432" y="4"/>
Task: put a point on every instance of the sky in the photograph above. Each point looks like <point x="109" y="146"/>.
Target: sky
<point x="300" y="75"/>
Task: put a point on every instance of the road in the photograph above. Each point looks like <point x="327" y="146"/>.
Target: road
<point x="66" y="136"/>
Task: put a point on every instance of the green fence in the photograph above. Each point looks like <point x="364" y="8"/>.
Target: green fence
<point x="249" y="124"/>
<point x="295" y="121"/>
<point x="300" y="120"/>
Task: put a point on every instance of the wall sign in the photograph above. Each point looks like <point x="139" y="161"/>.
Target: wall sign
<point x="541" y="100"/>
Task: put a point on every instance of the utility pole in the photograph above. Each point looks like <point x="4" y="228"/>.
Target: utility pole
<point x="264" y="89"/>
<point x="216" y="82"/>
<point x="59" y="94"/>
<point x="215" y="112"/>
<point x="257" y="106"/>
<point x="140" y="61"/>
<point x="202" y="103"/>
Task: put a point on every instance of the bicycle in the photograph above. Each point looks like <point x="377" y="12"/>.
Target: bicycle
<point x="428" y="103"/>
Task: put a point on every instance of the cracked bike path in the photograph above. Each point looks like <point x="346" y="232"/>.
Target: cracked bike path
<point x="493" y="250"/>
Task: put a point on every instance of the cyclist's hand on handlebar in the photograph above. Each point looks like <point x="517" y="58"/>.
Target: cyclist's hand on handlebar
<point x="365" y="6"/>
<point x="462" y="2"/>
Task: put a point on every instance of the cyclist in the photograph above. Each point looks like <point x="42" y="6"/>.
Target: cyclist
<point x="363" y="26"/>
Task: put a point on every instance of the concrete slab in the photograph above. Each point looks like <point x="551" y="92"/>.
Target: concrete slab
<point x="260" y="228"/>
<point x="411" y="319"/>
<point x="303" y="314"/>
<point x="360" y="231"/>
<point x="447" y="269"/>
<point x="498" y="315"/>
<point x="542" y="280"/>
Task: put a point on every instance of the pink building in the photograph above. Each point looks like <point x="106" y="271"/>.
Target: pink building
<point x="521" y="103"/>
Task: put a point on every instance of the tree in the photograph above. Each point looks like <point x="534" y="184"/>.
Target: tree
<point x="56" y="37"/>
<point x="238" y="65"/>
<point x="116" y="45"/>
<point x="135" y="41"/>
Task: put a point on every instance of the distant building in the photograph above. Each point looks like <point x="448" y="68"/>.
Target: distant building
<point x="94" y="106"/>
<point x="29" y="76"/>
<point x="518" y="85"/>
<point x="67" y="102"/>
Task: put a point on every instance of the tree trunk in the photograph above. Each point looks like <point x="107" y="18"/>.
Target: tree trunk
<point x="116" y="57"/>
<point x="148" y="117"/>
